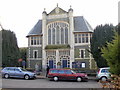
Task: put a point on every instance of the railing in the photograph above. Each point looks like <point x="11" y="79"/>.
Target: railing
<point x="113" y="83"/>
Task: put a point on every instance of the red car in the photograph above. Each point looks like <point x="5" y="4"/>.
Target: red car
<point x="66" y="74"/>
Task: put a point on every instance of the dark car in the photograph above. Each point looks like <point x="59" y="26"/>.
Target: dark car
<point x="17" y="72"/>
<point x="66" y="74"/>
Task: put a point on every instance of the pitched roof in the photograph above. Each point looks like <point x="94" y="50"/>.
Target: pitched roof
<point x="81" y="25"/>
<point x="57" y="10"/>
<point x="37" y="29"/>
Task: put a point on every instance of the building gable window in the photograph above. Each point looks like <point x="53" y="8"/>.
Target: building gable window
<point x="59" y="33"/>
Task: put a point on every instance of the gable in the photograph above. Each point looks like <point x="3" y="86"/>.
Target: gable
<point x="57" y="10"/>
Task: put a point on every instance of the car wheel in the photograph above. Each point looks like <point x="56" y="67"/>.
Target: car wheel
<point x="104" y="78"/>
<point x="6" y="76"/>
<point x="79" y="79"/>
<point x="26" y="77"/>
<point x="55" y="78"/>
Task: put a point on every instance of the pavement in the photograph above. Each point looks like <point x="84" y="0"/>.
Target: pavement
<point x="40" y="77"/>
<point x="44" y="77"/>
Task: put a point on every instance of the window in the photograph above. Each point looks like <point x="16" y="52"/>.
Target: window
<point x="11" y="69"/>
<point x="75" y="38"/>
<point x="54" y="71"/>
<point x="31" y="40"/>
<point x="105" y="71"/>
<point x="79" y="38"/>
<point x="17" y="70"/>
<point x="35" y="53"/>
<point x="68" y="72"/>
<point x="66" y="36"/>
<point x="36" y="40"/>
<point x="83" y="38"/>
<point x="49" y="36"/>
<point x="59" y="33"/>
<point x="61" y="71"/>
<point x="62" y="36"/>
<point x="82" y="53"/>
<point x="53" y="40"/>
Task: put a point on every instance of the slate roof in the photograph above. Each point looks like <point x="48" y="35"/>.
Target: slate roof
<point x="37" y="29"/>
<point x="80" y="25"/>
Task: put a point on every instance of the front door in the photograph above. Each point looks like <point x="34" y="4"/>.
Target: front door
<point x="64" y="63"/>
<point x="51" y="63"/>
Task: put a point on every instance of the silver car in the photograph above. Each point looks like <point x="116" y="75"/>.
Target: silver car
<point x="17" y="72"/>
<point x="103" y="74"/>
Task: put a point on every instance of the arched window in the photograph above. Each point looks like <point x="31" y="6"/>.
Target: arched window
<point x="53" y="35"/>
<point x="58" y="33"/>
<point x="62" y="36"/>
<point x="49" y="36"/>
<point x="66" y="35"/>
<point x="35" y="53"/>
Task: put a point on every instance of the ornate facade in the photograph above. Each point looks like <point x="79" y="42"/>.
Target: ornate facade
<point x="60" y="40"/>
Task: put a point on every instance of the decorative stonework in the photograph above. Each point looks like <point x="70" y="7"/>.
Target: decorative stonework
<point x="57" y="10"/>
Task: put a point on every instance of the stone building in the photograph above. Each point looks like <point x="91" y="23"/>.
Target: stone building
<point x="60" y="39"/>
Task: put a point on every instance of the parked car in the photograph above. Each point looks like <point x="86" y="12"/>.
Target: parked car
<point x="17" y="72"/>
<point x="103" y="74"/>
<point x="66" y="74"/>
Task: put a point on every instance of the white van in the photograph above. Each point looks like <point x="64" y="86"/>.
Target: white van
<point x="103" y="74"/>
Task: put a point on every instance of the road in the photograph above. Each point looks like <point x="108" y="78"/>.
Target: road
<point x="44" y="83"/>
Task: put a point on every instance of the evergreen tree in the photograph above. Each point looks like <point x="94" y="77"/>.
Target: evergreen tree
<point x="101" y="35"/>
<point x="23" y="53"/>
<point x="10" y="50"/>
<point x="112" y="54"/>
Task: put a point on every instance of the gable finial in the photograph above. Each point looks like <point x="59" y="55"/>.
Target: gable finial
<point x="70" y="6"/>
<point x="44" y="9"/>
<point x="57" y="4"/>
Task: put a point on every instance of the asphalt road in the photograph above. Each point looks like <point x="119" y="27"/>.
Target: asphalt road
<point x="44" y="83"/>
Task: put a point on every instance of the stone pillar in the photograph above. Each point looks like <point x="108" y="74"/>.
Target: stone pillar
<point x="71" y="35"/>
<point x="57" y="58"/>
<point x="44" y="40"/>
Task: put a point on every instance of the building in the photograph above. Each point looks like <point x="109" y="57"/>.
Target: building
<point x="60" y="40"/>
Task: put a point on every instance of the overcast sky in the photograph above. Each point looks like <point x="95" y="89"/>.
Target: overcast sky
<point x="20" y="16"/>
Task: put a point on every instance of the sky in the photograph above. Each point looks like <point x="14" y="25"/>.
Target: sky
<point x="20" y="16"/>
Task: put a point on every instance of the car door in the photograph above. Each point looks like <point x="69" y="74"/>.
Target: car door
<point x="19" y="73"/>
<point x="69" y="75"/>
<point x="61" y="74"/>
<point x="11" y="72"/>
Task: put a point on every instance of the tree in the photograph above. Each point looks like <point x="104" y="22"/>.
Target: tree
<point x="101" y="35"/>
<point x="23" y="53"/>
<point x="112" y="54"/>
<point x="10" y="50"/>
